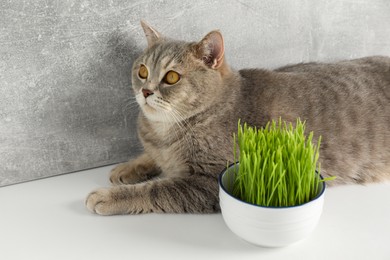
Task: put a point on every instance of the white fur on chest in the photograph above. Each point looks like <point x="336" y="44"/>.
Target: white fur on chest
<point x="171" y="159"/>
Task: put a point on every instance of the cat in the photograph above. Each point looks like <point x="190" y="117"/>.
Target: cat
<point x="191" y="100"/>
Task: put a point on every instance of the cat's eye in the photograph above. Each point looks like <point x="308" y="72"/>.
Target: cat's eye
<point x="171" y="77"/>
<point x="143" y="72"/>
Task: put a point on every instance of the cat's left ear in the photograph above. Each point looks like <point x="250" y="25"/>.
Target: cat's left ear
<point x="152" y="35"/>
<point x="211" y="49"/>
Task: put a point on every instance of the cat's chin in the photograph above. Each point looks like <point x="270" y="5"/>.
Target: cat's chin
<point x="154" y="115"/>
<point x="156" y="118"/>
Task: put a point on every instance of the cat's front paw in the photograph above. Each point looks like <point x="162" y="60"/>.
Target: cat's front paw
<point x="119" y="200"/>
<point x="102" y="201"/>
<point x="133" y="172"/>
<point x="124" y="173"/>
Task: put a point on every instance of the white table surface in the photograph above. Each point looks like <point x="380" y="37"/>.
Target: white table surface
<point x="46" y="219"/>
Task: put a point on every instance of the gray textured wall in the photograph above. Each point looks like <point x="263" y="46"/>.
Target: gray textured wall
<point x="65" y="65"/>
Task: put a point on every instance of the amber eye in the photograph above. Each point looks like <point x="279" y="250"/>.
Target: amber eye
<point x="171" y="77"/>
<point x="143" y="72"/>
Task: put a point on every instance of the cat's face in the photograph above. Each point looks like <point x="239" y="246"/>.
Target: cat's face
<point x="173" y="80"/>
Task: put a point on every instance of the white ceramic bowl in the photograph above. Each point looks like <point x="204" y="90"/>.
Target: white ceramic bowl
<point x="267" y="226"/>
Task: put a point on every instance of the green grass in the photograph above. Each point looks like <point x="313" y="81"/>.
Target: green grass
<point x="278" y="165"/>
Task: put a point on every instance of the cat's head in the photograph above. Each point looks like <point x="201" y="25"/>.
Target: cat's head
<point x="174" y="80"/>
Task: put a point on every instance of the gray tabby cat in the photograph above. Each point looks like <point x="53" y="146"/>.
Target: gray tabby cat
<point x="191" y="101"/>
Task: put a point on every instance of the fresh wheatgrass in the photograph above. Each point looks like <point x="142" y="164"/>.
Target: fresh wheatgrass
<point x="278" y="165"/>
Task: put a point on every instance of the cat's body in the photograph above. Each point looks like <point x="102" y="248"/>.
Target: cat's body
<point x="188" y="141"/>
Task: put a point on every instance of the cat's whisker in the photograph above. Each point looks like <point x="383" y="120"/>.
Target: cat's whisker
<point x="169" y="115"/>
<point x="130" y="98"/>
<point x="183" y="124"/>
<point x="130" y="103"/>
<point x="176" y="128"/>
<point x="128" y="108"/>
<point x="166" y="116"/>
<point x="184" y="121"/>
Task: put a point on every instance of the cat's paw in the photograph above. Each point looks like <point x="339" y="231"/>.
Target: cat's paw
<point x="102" y="201"/>
<point x="118" y="175"/>
<point x="132" y="172"/>
<point x="124" y="173"/>
<point x="119" y="200"/>
<point x="107" y="201"/>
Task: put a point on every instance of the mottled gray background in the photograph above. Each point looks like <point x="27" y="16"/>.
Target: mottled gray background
<point x="65" y="88"/>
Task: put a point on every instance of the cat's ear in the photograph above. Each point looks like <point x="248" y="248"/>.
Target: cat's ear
<point x="211" y="49"/>
<point x="152" y="35"/>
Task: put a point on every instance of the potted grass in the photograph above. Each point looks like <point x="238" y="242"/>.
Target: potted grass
<point x="274" y="195"/>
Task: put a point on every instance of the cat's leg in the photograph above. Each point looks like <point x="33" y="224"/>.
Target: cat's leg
<point x="192" y="194"/>
<point x="141" y="169"/>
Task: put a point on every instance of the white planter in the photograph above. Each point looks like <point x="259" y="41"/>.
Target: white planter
<point x="267" y="226"/>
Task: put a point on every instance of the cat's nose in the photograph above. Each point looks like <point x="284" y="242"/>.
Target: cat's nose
<point x="147" y="92"/>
